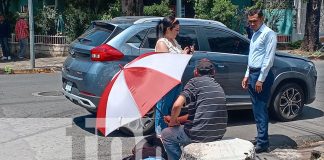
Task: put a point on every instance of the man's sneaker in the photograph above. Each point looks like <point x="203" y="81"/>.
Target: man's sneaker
<point x="4" y="58"/>
<point x="9" y="58"/>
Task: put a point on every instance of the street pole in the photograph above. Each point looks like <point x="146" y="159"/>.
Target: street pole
<point x="31" y="34"/>
<point x="179" y="8"/>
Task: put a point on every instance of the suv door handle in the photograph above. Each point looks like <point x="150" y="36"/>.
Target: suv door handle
<point x="220" y="66"/>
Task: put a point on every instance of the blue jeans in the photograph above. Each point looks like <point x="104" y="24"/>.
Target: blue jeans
<point x="165" y="106"/>
<point x="5" y="46"/>
<point x="23" y="46"/>
<point x="173" y="138"/>
<point x="259" y="106"/>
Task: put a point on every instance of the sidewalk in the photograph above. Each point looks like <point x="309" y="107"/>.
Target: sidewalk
<point x="42" y="65"/>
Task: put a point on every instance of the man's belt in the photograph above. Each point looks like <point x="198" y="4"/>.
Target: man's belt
<point x="251" y="69"/>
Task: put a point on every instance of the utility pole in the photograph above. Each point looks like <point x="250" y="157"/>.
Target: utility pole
<point x="31" y="34"/>
<point x="179" y="8"/>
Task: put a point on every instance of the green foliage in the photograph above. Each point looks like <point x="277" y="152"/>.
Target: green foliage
<point x="76" y="21"/>
<point x="296" y="44"/>
<point x="218" y="10"/>
<point x="114" y="11"/>
<point x="158" y="9"/>
<point x="45" y="21"/>
<point x="203" y="9"/>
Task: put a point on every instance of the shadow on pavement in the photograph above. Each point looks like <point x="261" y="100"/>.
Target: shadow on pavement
<point x="245" y="117"/>
<point x="88" y="123"/>
<point x="282" y="142"/>
<point x="310" y="113"/>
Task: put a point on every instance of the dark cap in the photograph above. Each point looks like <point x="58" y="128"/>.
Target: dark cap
<point x="205" y="66"/>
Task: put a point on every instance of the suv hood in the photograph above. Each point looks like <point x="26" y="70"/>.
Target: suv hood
<point x="286" y="54"/>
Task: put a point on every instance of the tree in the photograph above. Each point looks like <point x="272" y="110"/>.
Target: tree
<point x="158" y="9"/>
<point x="4" y="9"/>
<point x="218" y="10"/>
<point x="311" y="37"/>
<point x="132" y="7"/>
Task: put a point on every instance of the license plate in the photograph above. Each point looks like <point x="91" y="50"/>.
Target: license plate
<point x="68" y="87"/>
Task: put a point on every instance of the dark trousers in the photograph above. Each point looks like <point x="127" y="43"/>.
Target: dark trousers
<point x="259" y="106"/>
<point x="5" y="46"/>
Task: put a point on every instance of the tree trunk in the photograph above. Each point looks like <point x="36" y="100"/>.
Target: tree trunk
<point x="311" y="37"/>
<point x="132" y="7"/>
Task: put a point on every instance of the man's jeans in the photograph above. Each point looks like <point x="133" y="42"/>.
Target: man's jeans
<point x="5" y="46"/>
<point x="165" y="105"/>
<point x="173" y="138"/>
<point x="259" y="106"/>
<point x="23" y="46"/>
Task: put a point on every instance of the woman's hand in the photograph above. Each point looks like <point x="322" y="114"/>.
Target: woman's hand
<point x="189" y="50"/>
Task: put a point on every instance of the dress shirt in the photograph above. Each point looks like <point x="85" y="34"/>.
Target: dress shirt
<point x="262" y="51"/>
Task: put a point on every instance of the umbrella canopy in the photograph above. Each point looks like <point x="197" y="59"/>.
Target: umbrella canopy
<point x="136" y="88"/>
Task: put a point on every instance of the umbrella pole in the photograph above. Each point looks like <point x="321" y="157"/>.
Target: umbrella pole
<point x="159" y="111"/>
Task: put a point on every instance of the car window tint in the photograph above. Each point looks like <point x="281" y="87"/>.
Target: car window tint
<point x="187" y="37"/>
<point x="138" y="38"/>
<point x="94" y="37"/>
<point x="222" y="41"/>
<point x="150" y="39"/>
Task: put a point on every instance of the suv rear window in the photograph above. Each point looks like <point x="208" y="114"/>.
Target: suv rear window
<point x="96" y="36"/>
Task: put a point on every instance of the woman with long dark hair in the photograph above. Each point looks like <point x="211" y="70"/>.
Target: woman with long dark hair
<point x="169" y="27"/>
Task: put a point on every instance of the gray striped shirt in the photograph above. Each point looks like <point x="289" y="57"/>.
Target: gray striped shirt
<point x="206" y="108"/>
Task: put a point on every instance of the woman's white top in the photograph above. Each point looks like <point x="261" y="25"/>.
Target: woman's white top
<point x="172" y="49"/>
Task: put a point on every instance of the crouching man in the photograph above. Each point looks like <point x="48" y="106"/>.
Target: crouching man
<point x="206" y="120"/>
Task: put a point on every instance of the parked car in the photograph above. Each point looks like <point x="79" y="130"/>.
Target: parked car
<point x="97" y="55"/>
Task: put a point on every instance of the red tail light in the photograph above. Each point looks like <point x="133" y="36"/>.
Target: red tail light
<point x="105" y="52"/>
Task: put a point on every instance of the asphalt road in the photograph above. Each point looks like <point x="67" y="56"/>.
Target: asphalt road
<point x="51" y="127"/>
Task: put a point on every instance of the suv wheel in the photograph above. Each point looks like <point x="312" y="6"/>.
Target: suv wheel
<point x="141" y="126"/>
<point x="288" y="102"/>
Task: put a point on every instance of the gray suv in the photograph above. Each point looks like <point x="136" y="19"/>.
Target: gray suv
<point x="98" y="54"/>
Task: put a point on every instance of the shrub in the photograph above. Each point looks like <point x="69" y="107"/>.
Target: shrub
<point x="296" y="44"/>
<point x="76" y="21"/>
<point x="113" y="11"/>
<point x="219" y="10"/>
<point x="45" y="21"/>
<point x="161" y="10"/>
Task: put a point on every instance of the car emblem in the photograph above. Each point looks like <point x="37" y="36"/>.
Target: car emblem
<point x="72" y="52"/>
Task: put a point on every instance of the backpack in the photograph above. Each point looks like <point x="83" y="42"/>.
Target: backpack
<point x="149" y="148"/>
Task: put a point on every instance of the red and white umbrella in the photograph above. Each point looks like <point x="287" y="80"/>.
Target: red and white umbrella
<point x="135" y="89"/>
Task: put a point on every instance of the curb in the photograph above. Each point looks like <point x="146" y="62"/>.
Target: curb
<point x="31" y="71"/>
<point x="307" y="141"/>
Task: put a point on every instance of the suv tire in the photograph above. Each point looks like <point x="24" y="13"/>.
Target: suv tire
<point x="288" y="102"/>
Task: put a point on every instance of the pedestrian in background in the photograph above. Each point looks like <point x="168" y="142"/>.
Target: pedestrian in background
<point x="259" y="78"/>
<point x="169" y="27"/>
<point x="4" y="37"/>
<point x="21" y="30"/>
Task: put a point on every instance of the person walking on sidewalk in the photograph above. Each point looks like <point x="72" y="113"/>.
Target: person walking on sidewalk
<point x="4" y="36"/>
<point x="206" y="120"/>
<point x="259" y="78"/>
<point x="21" y="30"/>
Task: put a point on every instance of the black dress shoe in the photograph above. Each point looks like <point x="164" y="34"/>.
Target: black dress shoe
<point x="261" y="150"/>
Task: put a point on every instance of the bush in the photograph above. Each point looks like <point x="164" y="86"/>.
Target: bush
<point x="76" y="21"/>
<point x="296" y="44"/>
<point x="113" y="11"/>
<point x="161" y="10"/>
<point x="219" y="10"/>
<point x="45" y="21"/>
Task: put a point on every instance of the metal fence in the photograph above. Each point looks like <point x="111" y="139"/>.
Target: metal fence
<point x="283" y="38"/>
<point x="45" y="39"/>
